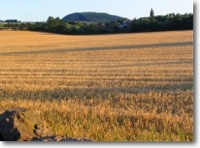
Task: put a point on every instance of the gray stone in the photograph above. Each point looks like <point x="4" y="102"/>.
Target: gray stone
<point x="25" y="125"/>
<point x="22" y="125"/>
<point x="60" y="139"/>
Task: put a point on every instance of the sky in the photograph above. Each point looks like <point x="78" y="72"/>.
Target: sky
<point x="40" y="10"/>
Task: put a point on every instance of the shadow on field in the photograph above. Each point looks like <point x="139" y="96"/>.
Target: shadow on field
<point x="91" y="93"/>
<point x="140" y="46"/>
<point x="151" y="64"/>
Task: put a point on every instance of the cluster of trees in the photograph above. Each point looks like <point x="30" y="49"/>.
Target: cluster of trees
<point x="57" y="25"/>
<point x="17" y="26"/>
<point x="168" y="22"/>
<point x="12" y="21"/>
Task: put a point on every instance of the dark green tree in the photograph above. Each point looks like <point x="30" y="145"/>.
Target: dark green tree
<point x="152" y="13"/>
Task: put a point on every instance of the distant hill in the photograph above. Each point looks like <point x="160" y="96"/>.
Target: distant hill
<point x="92" y="17"/>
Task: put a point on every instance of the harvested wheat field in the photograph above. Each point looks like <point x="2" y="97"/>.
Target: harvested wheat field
<point x="127" y="87"/>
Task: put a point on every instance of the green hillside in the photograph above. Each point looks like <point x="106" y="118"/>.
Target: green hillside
<point x="92" y="17"/>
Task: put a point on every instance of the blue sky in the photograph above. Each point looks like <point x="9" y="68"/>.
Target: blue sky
<point x="39" y="10"/>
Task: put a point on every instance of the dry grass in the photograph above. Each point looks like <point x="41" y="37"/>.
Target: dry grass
<point x="129" y="87"/>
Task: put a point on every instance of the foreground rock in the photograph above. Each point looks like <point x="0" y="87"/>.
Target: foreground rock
<point x="25" y="125"/>
<point x="59" y="139"/>
<point x="22" y="125"/>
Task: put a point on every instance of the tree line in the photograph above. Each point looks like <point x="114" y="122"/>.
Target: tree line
<point x="169" y="22"/>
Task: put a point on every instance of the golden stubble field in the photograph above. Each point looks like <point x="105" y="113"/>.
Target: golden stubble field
<point x="127" y="87"/>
